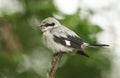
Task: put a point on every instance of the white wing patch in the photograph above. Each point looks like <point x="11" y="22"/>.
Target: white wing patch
<point x="67" y="43"/>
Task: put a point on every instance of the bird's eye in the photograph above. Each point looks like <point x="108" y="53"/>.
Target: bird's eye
<point x="50" y="24"/>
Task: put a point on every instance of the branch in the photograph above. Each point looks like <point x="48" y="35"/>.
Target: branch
<point x="53" y="66"/>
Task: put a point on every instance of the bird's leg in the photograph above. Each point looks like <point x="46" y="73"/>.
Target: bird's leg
<point x="55" y="54"/>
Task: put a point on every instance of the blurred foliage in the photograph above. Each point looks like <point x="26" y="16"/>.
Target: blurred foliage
<point x="24" y="38"/>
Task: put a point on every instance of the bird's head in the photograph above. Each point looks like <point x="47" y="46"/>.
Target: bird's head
<point x="48" y="24"/>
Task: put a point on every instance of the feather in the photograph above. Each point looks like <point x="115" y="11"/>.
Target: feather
<point x="69" y="41"/>
<point x="81" y="52"/>
<point x="97" y="45"/>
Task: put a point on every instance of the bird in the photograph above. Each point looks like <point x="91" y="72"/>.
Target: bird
<point x="61" y="39"/>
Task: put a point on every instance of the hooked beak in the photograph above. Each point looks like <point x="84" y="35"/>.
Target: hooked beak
<point x="39" y="27"/>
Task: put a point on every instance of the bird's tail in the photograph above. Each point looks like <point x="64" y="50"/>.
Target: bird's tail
<point x="93" y="45"/>
<point x="97" y="45"/>
<point x="81" y="52"/>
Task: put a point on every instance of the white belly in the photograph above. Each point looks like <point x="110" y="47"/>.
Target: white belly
<point x="55" y="47"/>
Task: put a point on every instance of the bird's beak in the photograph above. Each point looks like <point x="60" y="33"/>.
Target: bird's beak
<point x="39" y="27"/>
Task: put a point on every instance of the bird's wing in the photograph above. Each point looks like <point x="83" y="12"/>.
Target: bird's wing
<point x="69" y="41"/>
<point x="67" y="38"/>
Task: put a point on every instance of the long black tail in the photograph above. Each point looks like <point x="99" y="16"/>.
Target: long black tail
<point x="97" y="45"/>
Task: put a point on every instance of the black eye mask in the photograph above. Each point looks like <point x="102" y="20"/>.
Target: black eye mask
<point x="49" y="24"/>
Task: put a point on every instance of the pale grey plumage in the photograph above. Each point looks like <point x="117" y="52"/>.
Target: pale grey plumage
<point x="61" y="39"/>
<point x="58" y="30"/>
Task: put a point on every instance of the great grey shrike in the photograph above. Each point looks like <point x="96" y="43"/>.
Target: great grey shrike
<point x="59" y="38"/>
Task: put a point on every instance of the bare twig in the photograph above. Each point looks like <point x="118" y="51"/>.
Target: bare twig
<point x="53" y="66"/>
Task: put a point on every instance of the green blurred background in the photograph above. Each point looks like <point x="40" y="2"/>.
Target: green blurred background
<point x="23" y="55"/>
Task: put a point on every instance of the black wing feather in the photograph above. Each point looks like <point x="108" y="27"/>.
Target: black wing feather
<point x="75" y="42"/>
